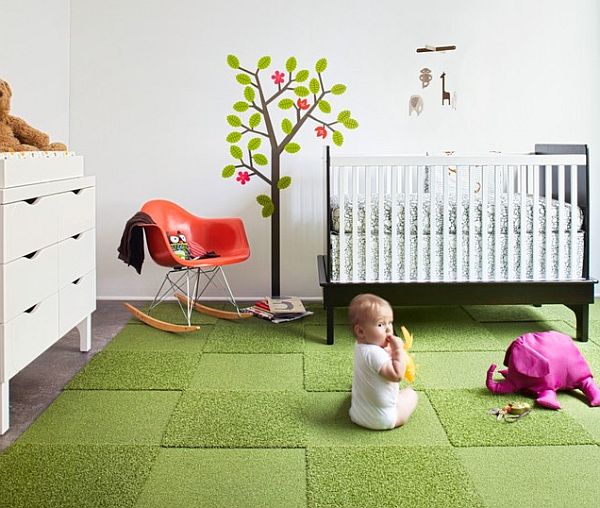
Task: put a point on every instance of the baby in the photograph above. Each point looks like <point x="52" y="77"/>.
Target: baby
<point x="379" y="365"/>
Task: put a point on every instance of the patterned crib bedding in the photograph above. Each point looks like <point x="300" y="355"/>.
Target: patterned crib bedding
<point x="424" y="260"/>
<point x="515" y="218"/>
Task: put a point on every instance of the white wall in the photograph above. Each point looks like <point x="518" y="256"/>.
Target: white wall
<point x="34" y="60"/>
<point x="150" y="90"/>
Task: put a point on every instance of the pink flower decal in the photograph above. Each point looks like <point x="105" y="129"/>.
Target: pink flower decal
<point x="321" y="131"/>
<point x="302" y="104"/>
<point x="278" y="77"/>
<point x="243" y="177"/>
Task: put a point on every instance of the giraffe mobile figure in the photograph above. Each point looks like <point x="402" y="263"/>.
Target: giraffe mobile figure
<point x="445" y="95"/>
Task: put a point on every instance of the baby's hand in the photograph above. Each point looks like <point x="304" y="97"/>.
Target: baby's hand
<point x="394" y="342"/>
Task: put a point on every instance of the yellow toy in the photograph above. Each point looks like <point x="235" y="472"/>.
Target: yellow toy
<point x="410" y="372"/>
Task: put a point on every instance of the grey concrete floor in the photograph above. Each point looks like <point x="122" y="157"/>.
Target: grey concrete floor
<point x="33" y="389"/>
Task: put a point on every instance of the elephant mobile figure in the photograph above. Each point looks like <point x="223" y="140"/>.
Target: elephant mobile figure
<point x="541" y="363"/>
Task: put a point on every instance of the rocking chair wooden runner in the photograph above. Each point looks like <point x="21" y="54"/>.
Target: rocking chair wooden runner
<point x="188" y="279"/>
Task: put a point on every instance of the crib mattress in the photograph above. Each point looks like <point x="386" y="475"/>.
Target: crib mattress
<point x="497" y="266"/>
<point x="507" y="215"/>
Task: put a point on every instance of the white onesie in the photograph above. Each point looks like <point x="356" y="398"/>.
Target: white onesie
<point x="374" y="398"/>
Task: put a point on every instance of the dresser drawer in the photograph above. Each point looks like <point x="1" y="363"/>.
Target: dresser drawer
<point x="18" y="171"/>
<point x="78" y="212"/>
<point x="28" y="280"/>
<point x="25" y="337"/>
<point x="76" y="301"/>
<point x="76" y="257"/>
<point x="29" y="225"/>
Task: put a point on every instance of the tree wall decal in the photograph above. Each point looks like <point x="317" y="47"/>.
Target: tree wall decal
<point x="259" y="104"/>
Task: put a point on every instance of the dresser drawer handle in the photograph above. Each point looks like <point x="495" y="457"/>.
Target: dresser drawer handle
<point x="76" y="191"/>
<point x="77" y="236"/>
<point x="76" y="281"/>
<point x="32" y="308"/>
<point x="31" y="255"/>
<point x="33" y="201"/>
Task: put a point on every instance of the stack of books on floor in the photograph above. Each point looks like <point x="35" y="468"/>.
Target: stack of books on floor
<point x="279" y="310"/>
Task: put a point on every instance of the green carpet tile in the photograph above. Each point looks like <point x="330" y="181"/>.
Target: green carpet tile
<point x="171" y="313"/>
<point x="595" y="330"/>
<point x="575" y="404"/>
<point x="328" y="370"/>
<point x="505" y="333"/>
<point x="224" y="419"/>
<point x="73" y="476"/>
<point x="134" y="337"/>
<point x="130" y="370"/>
<point x="541" y="476"/>
<point x="326" y="416"/>
<point x="410" y="316"/>
<point x="315" y="337"/>
<point x="340" y="314"/>
<point x="464" y="415"/>
<point x="226" y="478"/>
<point x="451" y="370"/>
<point x="248" y="372"/>
<point x="104" y="417"/>
<point x="453" y="336"/>
<point x="519" y="312"/>
<point x="256" y="336"/>
<point x="388" y="476"/>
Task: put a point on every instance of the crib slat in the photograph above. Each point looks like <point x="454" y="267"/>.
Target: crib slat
<point x="394" y="195"/>
<point x="420" y="191"/>
<point x="561" y="220"/>
<point x="459" y="224"/>
<point x="343" y="177"/>
<point x="498" y="172"/>
<point x="511" y="232"/>
<point x="407" y="221"/>
<point x="484" y="223"/>
<point x="381" y="233"/>
<point x="523" y="216"/>
<point x="574" y="222"/>
<point x="432" y="222"/>
<point x="354" y="197"/>
<point x="548" y="233"/>
<point x="471" y="192"/>
<point x="369" y="276"/>
<point x="535" y="247"/>
<point x="446" y="226"/>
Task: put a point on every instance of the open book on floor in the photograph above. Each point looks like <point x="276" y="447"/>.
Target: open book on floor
<point x="279" y="310"/>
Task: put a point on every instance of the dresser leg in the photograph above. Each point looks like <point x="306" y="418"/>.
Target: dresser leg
<point x="85" y="334"/>
<point x="4" y="407"/>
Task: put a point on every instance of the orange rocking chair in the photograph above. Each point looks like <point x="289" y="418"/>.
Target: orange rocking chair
<point x="187" y="279"/>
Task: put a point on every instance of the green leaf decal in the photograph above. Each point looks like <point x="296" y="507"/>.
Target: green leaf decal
<point x="243" y="79"/>
<point x="233" y="137"/>
<point x="314" y="86"/>
<point x="228" y="171"/>
<point x="254" y="144"/>
<point x="264" y="62"/>
<point x="290" y="64"/>
<point x="301" y="91"/>
<point x="254" y="120"/>
<point x="233" y="61"/>
<point x="292" y="147"/>
<point x="324" y="106"/>
<point x="286" y="126"/>
<point x="338" y="138"/>
<point x="284" y="182"/>
<point x="321" y="65"/>
<point x="286" y="103"/>
<point x="302" y="76"/>
<point x="351" y="123"/>
<point x="344" y="115"/>
<point x="241" y="106"/>
<point x="268" y="210"/>
<point x="264" y="200"/>
<point x="234" y="120"/>
<point x="249" y="94"/>
<point x="338" y="89"/>
<point x="260" y="159"/>
<point x="236" y="152"/>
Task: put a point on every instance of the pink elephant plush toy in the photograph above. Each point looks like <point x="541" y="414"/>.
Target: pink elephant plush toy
<point x="541" y="363"/>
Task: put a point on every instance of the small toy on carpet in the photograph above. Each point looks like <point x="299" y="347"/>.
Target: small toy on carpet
<point x="512" y="412"/>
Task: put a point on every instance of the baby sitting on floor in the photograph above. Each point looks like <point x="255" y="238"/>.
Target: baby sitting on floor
<point x="379" y="365"/>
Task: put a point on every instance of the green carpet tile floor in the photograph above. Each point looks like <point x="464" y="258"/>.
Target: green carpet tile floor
<point x="251" y="414"/>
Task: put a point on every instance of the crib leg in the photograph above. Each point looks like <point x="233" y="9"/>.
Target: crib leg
<point x="582" y="316"/>
<point x="329" y="325"/>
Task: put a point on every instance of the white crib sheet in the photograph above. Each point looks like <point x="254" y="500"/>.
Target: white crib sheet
<point x="515" y="218"/>
<point x="356" y="270"/>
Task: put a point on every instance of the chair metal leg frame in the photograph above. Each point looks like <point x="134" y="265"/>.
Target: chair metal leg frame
<point x="176" y="285"/>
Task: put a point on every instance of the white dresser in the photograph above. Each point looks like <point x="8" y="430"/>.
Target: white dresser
<point x="47" y="259"/>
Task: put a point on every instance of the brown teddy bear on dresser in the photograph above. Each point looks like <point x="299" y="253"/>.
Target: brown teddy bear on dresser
<point x="16" y="135"/>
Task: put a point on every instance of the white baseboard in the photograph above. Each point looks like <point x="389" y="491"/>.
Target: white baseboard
<point x="251" y="299"/>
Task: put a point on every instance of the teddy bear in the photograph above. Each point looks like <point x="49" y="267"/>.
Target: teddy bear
<point x="15" y="134"/>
